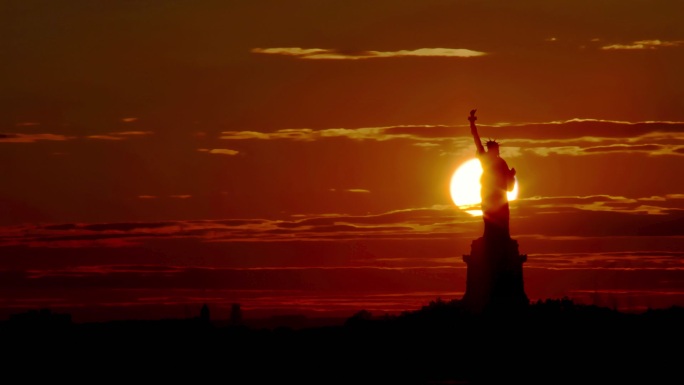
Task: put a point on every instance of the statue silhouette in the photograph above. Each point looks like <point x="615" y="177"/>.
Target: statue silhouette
<point x="497" y="179"/>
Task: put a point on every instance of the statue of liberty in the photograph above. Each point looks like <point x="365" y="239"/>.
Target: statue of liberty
<point x="496" y="180"/>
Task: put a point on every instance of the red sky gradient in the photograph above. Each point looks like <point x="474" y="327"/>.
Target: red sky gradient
<point x="295" y="156"/>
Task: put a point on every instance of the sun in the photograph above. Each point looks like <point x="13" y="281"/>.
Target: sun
<point x="465" y="187"/>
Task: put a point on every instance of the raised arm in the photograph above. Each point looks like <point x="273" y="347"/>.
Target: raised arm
<point x="473" y="130"/>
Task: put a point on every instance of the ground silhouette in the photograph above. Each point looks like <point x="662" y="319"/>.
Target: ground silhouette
<point x="551" y="341"/>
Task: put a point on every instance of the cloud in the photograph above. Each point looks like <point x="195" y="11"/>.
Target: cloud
<point x="590" y="128"/>
<point x="357" y="190"/>
<point x="332" y="54"/>
<point x="576" y="137"/>
<point x="644" y="44"/>
<point x="147" y="196"/>
<point x="555" y="150"/>
<point x="132" y="133"/>
<point x="32" y="138"/>
<point x="603" y="203"/>
<point x="99" y="270"/>
<point x="625" y="148"/>
<point x="307" y="134"/>
<point x="240" y="135"/>
<point x="120" y="135"/>
<point x="572" y="131"/>
<point x="116" y="226"/>
<point x="649" y="149"/>
<point x="545" y="217"/>
<point x="581" y="137"/>
<point x="129" y="120"/>
<point x="583" y="149"/>
<point x="654" y="198"/>
<point x="105" y="137"/>
<point x="426" y="144"/>
<point x="352" y="190"/>
<point x="181" y="196"/>
<point x="613" y="219"/>
<point x="652" y="259"/>
<point x="219" y="151"/>
<point x="405" y="224"/>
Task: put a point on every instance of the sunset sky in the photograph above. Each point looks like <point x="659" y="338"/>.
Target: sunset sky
<point x="295" y="156"/>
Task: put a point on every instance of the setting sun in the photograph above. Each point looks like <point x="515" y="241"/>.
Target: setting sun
<point x="465" y="187"/>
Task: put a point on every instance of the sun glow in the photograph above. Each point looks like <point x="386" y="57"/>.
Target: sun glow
<point x="465" y="187"/>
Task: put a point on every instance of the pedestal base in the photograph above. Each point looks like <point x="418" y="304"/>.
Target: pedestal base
<point x="494" y="281"/>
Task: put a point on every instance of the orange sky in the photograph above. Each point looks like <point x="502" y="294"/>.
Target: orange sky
<point x="296" y="156"/>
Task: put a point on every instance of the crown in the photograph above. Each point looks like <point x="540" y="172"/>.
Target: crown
<point x="491" y="142"/>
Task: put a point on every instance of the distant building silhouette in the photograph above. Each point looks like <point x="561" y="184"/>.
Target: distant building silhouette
<point x="494" y="280"/>
<point x="204" y="313"/>
<point x="235" y="315"/>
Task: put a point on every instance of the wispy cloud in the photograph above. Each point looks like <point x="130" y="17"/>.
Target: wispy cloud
<point x="105" y="137"/>
<point x="404" y="224"/>
<point x="546" y="217"/>
<point x="426" y="144"/>
<point x="604" y="203"/>
<point x="649" y="149"/>
<point x="644" y="44"/>
<point x="333" y="54"/>
<point x="576" y="137"/>
<point x="307" y="134"/>
<point x="626" y="148"/>
<point x="120" y="135"/>
<point x="611" y="259"/>
<point x="132" y="133"/>
<point x="352" y="190"/>
<point x="219" y="151"/>
<point x="32" y="138"/>
<point x="653" y="206"/>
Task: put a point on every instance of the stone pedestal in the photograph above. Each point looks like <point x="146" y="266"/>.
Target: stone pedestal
<point x="494" y="281"/>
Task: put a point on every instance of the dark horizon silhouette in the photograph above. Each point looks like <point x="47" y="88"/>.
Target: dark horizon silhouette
<point x="553" y="341"/>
